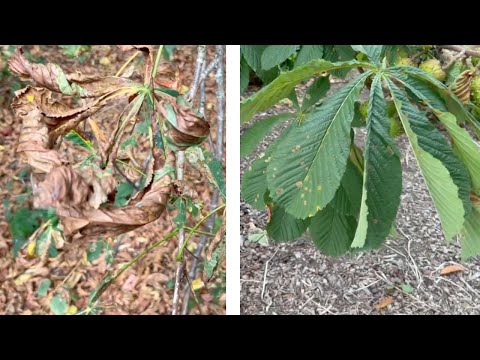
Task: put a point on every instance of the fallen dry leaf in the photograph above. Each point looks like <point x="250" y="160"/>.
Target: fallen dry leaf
<point x="451" y="269"/>
<point x="384" y="302"/>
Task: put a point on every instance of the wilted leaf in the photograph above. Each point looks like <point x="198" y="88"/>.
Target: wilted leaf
<point x="384" y="302"/>
<point x="451" y="269"/>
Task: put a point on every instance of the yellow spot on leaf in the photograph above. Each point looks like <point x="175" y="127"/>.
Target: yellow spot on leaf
<point x="319" y="208"/>
<point x="197" y="284"/>
<point x="72" y="310"/>
<point x="31" y="249"/>
<point x="319" y="187"/>
<point x="30" y="98"/>
<point x="299" y="184"/>
<point x="249" y="168"/>
<point x="302" y="195"/>
<point x="305" y="202"/>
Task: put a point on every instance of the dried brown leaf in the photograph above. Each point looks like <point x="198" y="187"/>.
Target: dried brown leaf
<point x="384" y="302"/>
<point x="451" y="269"/>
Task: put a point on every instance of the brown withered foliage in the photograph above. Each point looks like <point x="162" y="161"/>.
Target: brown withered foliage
<point x="77" y="194"/>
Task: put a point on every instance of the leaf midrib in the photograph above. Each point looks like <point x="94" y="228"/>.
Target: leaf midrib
<point x="331" y="123"/>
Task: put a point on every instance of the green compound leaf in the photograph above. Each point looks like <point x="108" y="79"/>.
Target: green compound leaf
<point x="382" y="177"/>
<point x="442" y="188"/>
<point x="307" y="166"/>
<point x="281" y="87"/>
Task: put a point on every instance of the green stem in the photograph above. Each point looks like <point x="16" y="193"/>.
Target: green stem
<point x="109" y="278"/>
<point x="131" y="167"/>
<point x="157" y="61"/>
<point x="198" y="231"/>
<point x="180" y="253"/>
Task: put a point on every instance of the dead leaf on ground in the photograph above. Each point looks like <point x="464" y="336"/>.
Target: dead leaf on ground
<point x="451" y="269"/>
<point x="384" y="302"/>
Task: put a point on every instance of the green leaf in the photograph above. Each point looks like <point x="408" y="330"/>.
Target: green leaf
<point x="253" y="55"/>
<point x="131" y="141"/>
<point x="332" y="232"/>
<point x="422" y="90"/>
<point x="95" y="250"/>
<point x="316" y="91"/>
<point x="143" y="127"/>
<point x="382" y="176"/>
<point x="254" y="135"/>
<point x="260" y="237"/>
<point x="308" y="165"/>
<point x="454" y="71"/>
<point x="407" y="288"/>
<point x="71" y="50"/>
<point x="254" y="183"/>
<point x="171" y="116"/>
<point x="77" y="139"/>
<point x="124" y="190"/>
<point x="216" y="169"/>
<point x="284" y="227"/>
<point x="308" y="53"/>
<point x="453" y="104"/>
<point x="244" y="75"/>
<point x="274" y="55"/>
<point x="22" y="224"/>
<point x="444" y="192"/>
<point x="168" y="51"/>
<point x="428" y="135"/>
<point x="373" y="52"/>
<point x="216" y="258"/>
<point x="43" y="288"/>
<point x="167" y="169"/>
<point x="181" y="217"/>
<point x="334" y="53"/>
<point x="59" y="305"/>
<point x="348" y="197"/>
<point x="464" y="147"/>
<point x="470" y="235"/>
<point x="281" y="87"/>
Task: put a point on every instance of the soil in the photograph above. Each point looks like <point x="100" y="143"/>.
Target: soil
<point x="295" y="278"/>
<point x="146" y="287"/>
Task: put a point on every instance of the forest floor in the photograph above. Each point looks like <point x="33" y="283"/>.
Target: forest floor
<point x="403" y="277"/>
<point x="146" y="287"/>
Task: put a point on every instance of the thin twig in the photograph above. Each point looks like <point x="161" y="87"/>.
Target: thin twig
<point x="218" y="151"/>
<point x="266" y="271"/>
<point x="201" y="55"/>
<point x="460" y="55"/>
<point x="458" y="48"/>
<point x="181" y="238"/>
